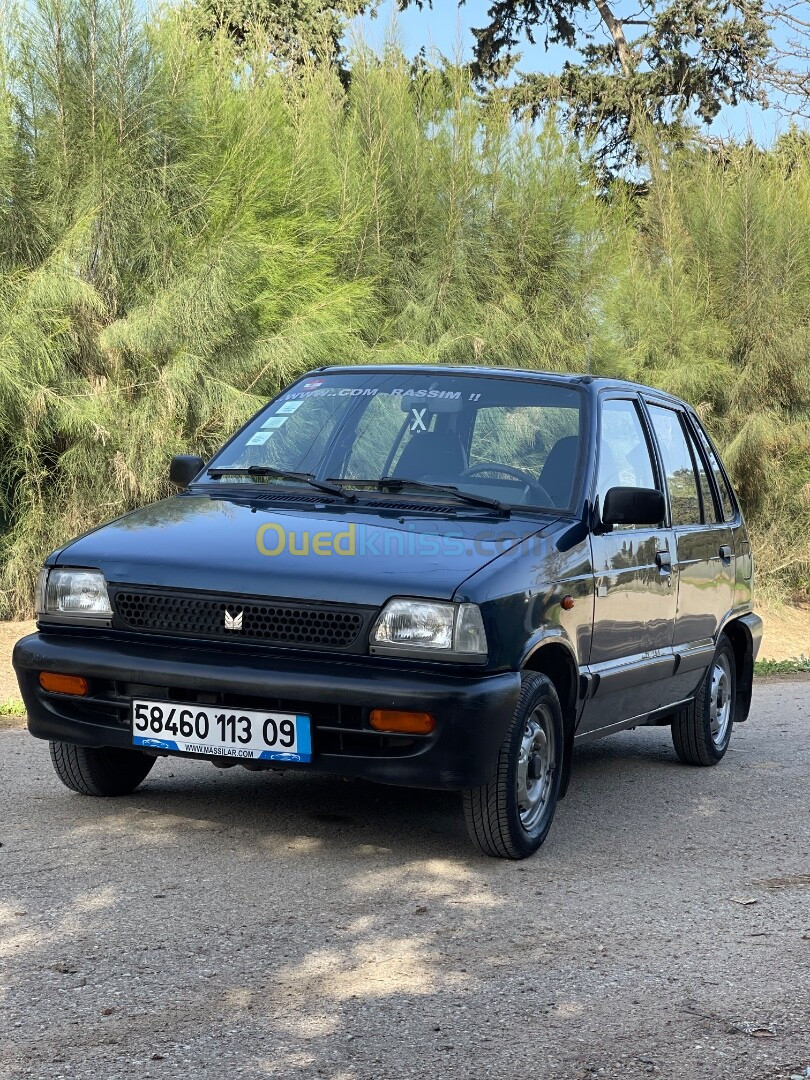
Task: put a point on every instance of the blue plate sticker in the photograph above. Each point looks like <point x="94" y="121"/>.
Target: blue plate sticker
<point x="304" y="737"/>
<point x="157" y="744"/>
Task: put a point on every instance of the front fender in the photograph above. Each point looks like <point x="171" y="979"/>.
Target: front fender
<point x="551" y="652"/>
<point x="544" y="636"/>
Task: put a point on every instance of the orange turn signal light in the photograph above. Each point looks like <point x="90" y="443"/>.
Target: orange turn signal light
<point x="63" y="684"/>
<point x="405" y="723"/>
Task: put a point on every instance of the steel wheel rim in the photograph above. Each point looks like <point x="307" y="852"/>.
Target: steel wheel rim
<point x="720" y="700"/>
<point x="535" y="768"/>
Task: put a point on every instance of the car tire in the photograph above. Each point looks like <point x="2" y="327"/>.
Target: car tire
<point x="702" y="731"/>
<point x="99" y="770"/>
<point x="509" y="818"/>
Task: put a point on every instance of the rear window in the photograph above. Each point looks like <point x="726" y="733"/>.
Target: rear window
<point x="684" y="493"/>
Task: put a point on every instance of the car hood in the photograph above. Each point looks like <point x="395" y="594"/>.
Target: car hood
<point x="344" y="553"/>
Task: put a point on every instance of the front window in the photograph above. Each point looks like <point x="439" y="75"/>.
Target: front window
<point x="514" y="440"/>
<point x="624" y="454"/>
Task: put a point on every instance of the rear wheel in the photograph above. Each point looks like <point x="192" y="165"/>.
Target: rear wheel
<point x="509" y="817"/>
<point x="702" y="731"/>
<point x="99" y="770"/>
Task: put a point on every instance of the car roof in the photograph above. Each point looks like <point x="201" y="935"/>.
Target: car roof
<point x="593" y="383"/>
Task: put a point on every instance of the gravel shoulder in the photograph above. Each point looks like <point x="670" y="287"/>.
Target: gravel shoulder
<point x="228" y="923"/>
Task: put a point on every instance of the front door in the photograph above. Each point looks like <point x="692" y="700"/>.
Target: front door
<point x="635" y="582"/>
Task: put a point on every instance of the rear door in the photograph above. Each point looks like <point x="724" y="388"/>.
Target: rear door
<point x="728" y="512"/>
<point x="703" y="542"/>
<point x="634" y="580"/>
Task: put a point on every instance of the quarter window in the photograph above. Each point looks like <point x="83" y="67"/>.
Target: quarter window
<point x="719" y="478"/>
<point x="678" y="466"/>
<point x="709" y="509"/>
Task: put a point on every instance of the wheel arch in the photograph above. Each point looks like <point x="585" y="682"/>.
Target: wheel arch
<point x="742" y="642"/>
<point x="555" y="659"/>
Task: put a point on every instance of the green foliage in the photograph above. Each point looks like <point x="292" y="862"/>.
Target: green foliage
<point x="716" y="307"/>
<point x="186" y="225"/>
<point x="295" y="31"/>
<point x="782" y="667"/>
<point x="12" y="707"/>
<point x="662" y="62"/>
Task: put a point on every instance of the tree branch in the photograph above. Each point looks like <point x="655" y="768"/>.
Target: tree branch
<point x="617" y="33"/>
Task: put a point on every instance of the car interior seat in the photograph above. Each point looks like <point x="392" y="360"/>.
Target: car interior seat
<point x="557" y="474"/>
<point x="434" y="454"/>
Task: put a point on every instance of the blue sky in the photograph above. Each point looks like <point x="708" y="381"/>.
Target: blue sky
<point x="447" y="28"/>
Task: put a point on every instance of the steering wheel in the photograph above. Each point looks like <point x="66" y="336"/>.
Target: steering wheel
<point x="532" y="485"/>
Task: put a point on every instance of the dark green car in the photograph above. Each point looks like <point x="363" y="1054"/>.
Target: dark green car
<point x="426" y="576"/>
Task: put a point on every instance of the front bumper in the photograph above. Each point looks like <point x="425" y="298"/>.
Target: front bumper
<point x="472" y="713"/>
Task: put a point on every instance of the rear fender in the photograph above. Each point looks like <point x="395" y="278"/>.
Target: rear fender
<point x="745" y="634"/>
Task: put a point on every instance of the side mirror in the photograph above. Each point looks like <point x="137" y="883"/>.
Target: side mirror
<point x="633" y="506"/>
<point x="183" y="469"/>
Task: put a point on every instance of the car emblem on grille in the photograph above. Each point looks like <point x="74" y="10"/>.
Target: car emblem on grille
<point x="233" y="622"/>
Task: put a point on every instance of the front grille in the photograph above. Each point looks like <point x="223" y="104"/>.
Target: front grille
<point x="271" y="622"/>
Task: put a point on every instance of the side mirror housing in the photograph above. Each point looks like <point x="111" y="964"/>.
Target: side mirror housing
<point x="633" y="506"/>
<point x="183" y="469"/>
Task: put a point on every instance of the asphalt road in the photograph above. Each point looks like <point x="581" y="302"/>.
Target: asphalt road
<point x="221" y="924"/>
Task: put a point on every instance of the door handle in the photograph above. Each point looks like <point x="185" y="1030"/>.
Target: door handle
<point x="725" y="552"/>
<point x="663" y="561"/>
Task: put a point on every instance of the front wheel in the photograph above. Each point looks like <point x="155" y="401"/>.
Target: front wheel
<point x="702" y="731"/>
<point x="509" y="817"/>
<point x="99" y="770"/>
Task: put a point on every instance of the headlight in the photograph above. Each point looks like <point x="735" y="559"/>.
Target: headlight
<point x="424" y="627"/>
<point x="77" y="593"/>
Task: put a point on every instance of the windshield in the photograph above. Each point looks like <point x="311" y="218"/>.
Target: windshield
<point x="504" y="438"/>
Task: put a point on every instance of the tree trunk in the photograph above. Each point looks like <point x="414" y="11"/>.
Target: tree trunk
<point x="617" y="33"/>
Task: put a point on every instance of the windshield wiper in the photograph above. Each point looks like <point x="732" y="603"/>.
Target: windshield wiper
<point x="397" y="483"/>
<point x="282" y="474"/>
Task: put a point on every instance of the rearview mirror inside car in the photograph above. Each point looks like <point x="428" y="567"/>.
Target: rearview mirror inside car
<point x="183" y="469"/>
<point x="633" y="506"/>
<point x="452" y="403"/>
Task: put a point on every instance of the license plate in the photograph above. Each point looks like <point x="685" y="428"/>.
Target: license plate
<point x="220" y="732"/>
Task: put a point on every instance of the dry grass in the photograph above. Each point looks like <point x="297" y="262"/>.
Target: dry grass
<point x="787" y="632"/>
<point x="9" y="633"/>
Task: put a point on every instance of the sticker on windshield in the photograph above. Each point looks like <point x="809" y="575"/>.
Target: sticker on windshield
<point x="274" y="422"/>
<point x="289" y="407"/>
<point x="418" y="422"/>
<point x="259" y="439"/>
<point x="442" y="395"/>
<point x="312" y="384"/>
